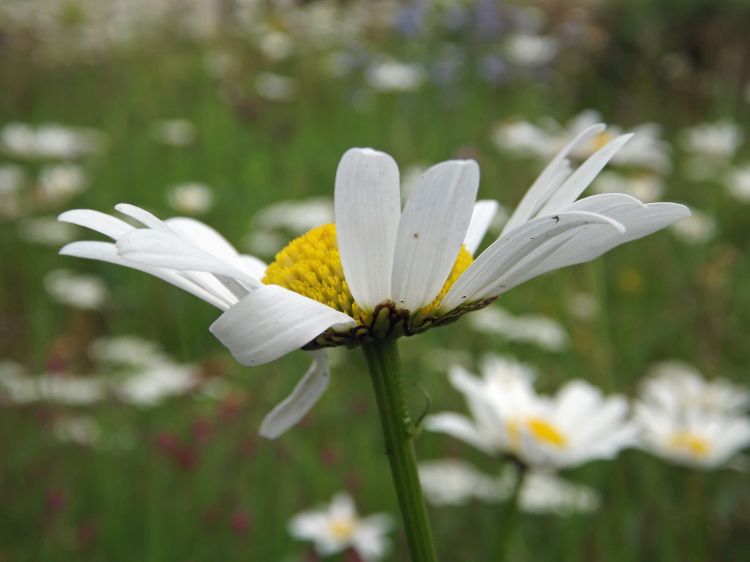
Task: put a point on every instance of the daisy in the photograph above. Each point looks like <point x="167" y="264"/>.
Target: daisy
<point x="691" y="421"/>
<point x="578" y="425"/>
<point x="379" y="271"/>
<point x="337" y="527"/>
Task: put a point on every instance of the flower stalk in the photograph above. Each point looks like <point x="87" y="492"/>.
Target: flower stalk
<point x="398" y="432"/>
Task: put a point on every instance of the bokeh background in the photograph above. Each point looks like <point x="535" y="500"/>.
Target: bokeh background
<point x="128" y="433"/>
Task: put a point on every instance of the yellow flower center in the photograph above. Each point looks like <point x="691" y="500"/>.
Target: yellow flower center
<point x="691" y="443"/>
<point x="540" y="429"/>
<point x="342" y="529"/>
<point x="310" y="265"/>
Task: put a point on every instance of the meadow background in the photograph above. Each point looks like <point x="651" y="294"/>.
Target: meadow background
<point x="186" y="478"/>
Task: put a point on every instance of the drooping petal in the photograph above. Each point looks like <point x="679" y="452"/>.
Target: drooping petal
<point x="203" y="236"/>
<point x="272" y="321"/>
<point x="99" y="222"/>
<point x="580" y="179"/>
<point x="304" y="396"/>
<point x="167" y="249"/>
<point x="548" y="181"/>
<point x="367" y="210"/>
<point x="107" y="252"/>
<point x="508" y="250"/>
<point x="143" y="216"/>
<point x="431" y="231"/>
<point x="481" y="218"/>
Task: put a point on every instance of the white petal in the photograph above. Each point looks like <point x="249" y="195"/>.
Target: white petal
<point x="481" y="218"/>
<point x="99" y="222"/>
<point x="272" y="321"/>
<point x="304" y="396"/>
<point x="142" y="216"/>
<point x="367" y="210"/>
<point x="431" y="231"/>
<point x="460" y="427"/>
<point x="203" y="236"/>
<point x="508" y="250"/>
<point x="166" y="249"/>
<point x="107" y="252"/>
<point x="583" y="176"/>
<point x="254" y="266"/>
<point x="548" y="181"/>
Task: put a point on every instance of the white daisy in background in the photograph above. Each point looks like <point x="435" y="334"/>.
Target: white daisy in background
<point x="152" y="384"/>
<point x="452" y="483"/>
<point x="191" y="198"/>
<point x="50" y="141"/>
<point x="690" y="421"/>
<point x="78" y="290"/>
<point x="275" y="87"/>
<point x="535" y="329"/>
<point x="126" y="351"/>
<point x="698" y="228"/>
<point x="738" y="183"/>
<point x="336" y="527"/>
<point x="583" y="306"/>
<point x="174" y="132"/>
<point x="394" y="76"/>
<point x="71" y="390"/>
<point x="378" y="271"/>
<point x="529" y="50"/>
<point x="717" y="142"/>
<point x="579" y="424"/>
<point x="646" y="151"/>
<point x="645" y="187"/>
<point x="59" y="183"/>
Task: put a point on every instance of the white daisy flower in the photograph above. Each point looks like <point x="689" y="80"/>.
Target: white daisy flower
<point x="531" y="51"/>
<point x="577" y="425"/>
<point x="61" y="182"/>
<point x="535" y="329"/>
<point x="378" y="272"/>
<point x="394" y="76"/>
<point x="692" y="421"/>
<point x="154" y="383"/>
<point x="78" y="290"/>
<point x="714" y="141"/>
<point x="646" y="187"/>
<point x="190" y="198"/>
<point x="70" y="390"/>
<point x="337" y="527"/>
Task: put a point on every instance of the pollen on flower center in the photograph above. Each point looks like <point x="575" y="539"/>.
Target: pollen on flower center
<point x="310" y="265"/>
<point x="691" y="443"/>
<point x="342" y="529"/>
<point x="540" y="429"/>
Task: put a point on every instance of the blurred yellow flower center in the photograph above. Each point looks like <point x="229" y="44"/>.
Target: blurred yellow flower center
<point x="342" y="529"/>
<point x="540" y="429"/>
<point x="690" y="442"/>
<point x="310" y="265"/>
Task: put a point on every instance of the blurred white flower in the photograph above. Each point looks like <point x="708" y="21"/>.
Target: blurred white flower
<point x="698" y="228"/>
<point x="738" y="183"/>
<point x="336" y="527"/>
<point x="454" y="482"/>
<point x="191" y="198"/>
<point x="153" y="383"/>
<point x="534" y="329"/>
<point x="394" y="76"/>
<point x="276" y="45"/>
<point x="583" y="306"/>
<point x="646" y="187"/>
<point x="78" y="290"/>
<point x="715" y="141"/>
<point x="60" y="182"/>
<point x="691" y="421"/>
<point x="49" y="141"/>
<point x="690" y="388"/>
<point x="576" y="426"/>
<point x="529" y="50"/>
<point x="645" y="149"/>
<point x="275" y="87"/>
<point x="126" y="351"/>
<point x="544" y="492"/>
<point x="70" y="390"/>
<point x="46" y="231"/>
<point x="272" y="225"/>
<point x="174" y="132"/>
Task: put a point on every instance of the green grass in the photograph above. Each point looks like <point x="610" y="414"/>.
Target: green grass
<point x="139" y="504"/>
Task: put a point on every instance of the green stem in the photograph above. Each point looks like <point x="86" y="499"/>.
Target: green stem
<point x="385" y="372"/>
